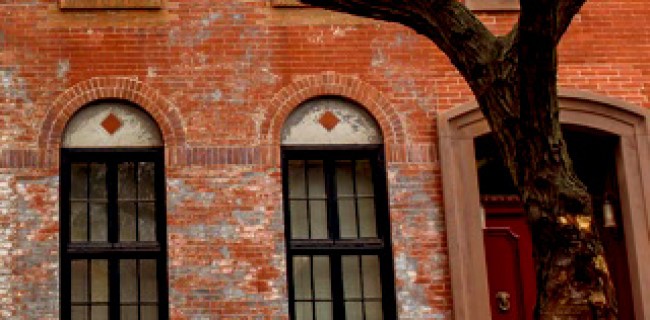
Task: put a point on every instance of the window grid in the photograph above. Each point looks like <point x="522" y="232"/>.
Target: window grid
<point x="337" y="247"/>
<point x="112" y="248"/>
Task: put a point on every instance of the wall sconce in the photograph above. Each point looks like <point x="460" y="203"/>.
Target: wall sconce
<point x="481" y="211"/>
<point x="609" y="216"/>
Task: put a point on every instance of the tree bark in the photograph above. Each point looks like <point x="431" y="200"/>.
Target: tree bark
<point x="514" y="79"/>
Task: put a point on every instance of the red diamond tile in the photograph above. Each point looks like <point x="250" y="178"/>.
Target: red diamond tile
<point x="328" y="120"/>
<point x="111" y="123"/>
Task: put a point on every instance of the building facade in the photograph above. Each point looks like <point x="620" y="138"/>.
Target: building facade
<point x="256" y="159"/>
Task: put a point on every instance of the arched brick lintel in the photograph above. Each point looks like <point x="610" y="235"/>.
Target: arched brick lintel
<point x="334" y="84"/>
<point x="125" y="88"/>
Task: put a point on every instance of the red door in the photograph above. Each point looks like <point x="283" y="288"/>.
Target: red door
<point x="509" y="257"/>
<point x="509" y="260"/>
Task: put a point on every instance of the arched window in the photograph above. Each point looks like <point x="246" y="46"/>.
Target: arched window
<point x="113" y="232"/>
<point x="336" y="214"/>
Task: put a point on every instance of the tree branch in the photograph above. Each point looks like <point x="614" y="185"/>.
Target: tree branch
<point x="469" y="45"/>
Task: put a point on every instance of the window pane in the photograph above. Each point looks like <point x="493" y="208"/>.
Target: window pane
<point x="98" y="181"/>
<point x="127" y="221"/>
<point x="147" y="222"/>
<point x="79" y="280"/>
<point x="302" y="278"/>
<point x="78" y="180"/>
<point x="146" y="188"/>
<point x="299" y="221"/>
<point x="322" y="280"/>
<point x="99" y="281"/>
<point x="98" y="222"/>
<point x="79" y="313"/>
<point x="353" y="311"/>
<point x="99" y="313"/>
<point x="318" y="215"/>
<point x="364" y="178"/>
<point x="323" y="310"/>
<point x="347" y="219"/>
<point x="374" y="311"/>
<point x="351" y="279"/>
<point x="149" y="313"/>
<point x="371" y="277"/>
<point x="344" y="181"/>
<point x="129" y="313"/>
<point x="304" y="311"/>
<point x="368" y="222"/>
<point x="78" y="221"/>
<point x="148" y="281"/>
<point x="128" y="281"/>
<point x="316" y="179"/>
<point x="126" y="180"/>
<point x="296" y="179"/>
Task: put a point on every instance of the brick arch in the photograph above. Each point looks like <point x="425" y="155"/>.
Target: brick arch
<point x="130" y="89"/>
<point x="331" y="83"/>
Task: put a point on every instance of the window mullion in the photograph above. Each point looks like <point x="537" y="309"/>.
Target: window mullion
<point x="330" y="193"/>
<point x="112" y="207"/>
<point x="338" y="302"/>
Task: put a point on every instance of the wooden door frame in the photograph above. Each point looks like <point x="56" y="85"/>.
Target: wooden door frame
<point x="457" y="129"/>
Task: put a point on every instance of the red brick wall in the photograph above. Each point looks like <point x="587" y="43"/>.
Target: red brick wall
<point x="219" y="77"/>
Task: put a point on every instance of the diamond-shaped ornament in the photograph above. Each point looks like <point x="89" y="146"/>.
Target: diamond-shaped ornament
<point x="328" y="120"/>
<point x="111" y="124"/>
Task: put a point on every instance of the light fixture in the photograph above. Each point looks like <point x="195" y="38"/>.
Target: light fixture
<point x="481" y="211"/>
<point x="609" y="218"/>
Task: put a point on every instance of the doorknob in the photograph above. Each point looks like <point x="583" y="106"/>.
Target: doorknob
<point x="503" y="301"/>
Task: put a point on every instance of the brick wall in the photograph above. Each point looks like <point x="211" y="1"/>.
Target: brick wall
<point x="219" y="77"/>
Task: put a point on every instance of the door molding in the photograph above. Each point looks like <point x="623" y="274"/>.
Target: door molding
<point x="459" y="126"/>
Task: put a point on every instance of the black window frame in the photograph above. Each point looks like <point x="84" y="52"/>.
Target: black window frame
<point x="337" y="247"/>
<point x="113" y="250"/>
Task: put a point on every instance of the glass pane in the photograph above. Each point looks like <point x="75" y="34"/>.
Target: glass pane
<point x="78" y="180"/>
<point x="322" y="280"/>
<point x="79" y="280"/>
<point x="146" y="181"/>
<point x="98" y="222"/>
<point x="296" y="178"/>
<point x="97" y="181"/>
<point x="299" y="221"/>
<point x="126" y="180"/>
<point x="302" y="278"/>
<point x="323" y="310"/>
<point x="99" y="281"/>
<point x="371" y="277"/>
<point x="374" y="311"/>
<point x="79" y="313"/>
<point x="147" y="222"/>
<point x="128" y="281"/>
<point x="127" y="221"/>
<point x="304" y="311"/>
<point x="353" y="311"/>
<point x="316" y="179"/>
<point x="364" y="178"/>
<point x="368" y="222"/>
<point x="129" y="313"/>
<point x="148" y="313"/>
<point x="78" y="221"/>
<point x="318" y="215"/>
<point x="351" y="279"/>
<point x="344" y="182"/>
<point x="99" y="313"/>
<point x="347" y="219"/>
<point x="148" y="281"/>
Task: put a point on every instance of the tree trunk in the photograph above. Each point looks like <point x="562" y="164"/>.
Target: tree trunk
<point x="514" y="81"/>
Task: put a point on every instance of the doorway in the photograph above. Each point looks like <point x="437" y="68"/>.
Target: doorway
<point x="507" y="238"/>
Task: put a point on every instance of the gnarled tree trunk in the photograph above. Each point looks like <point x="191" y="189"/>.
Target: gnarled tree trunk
<point x="513" y="78"/>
